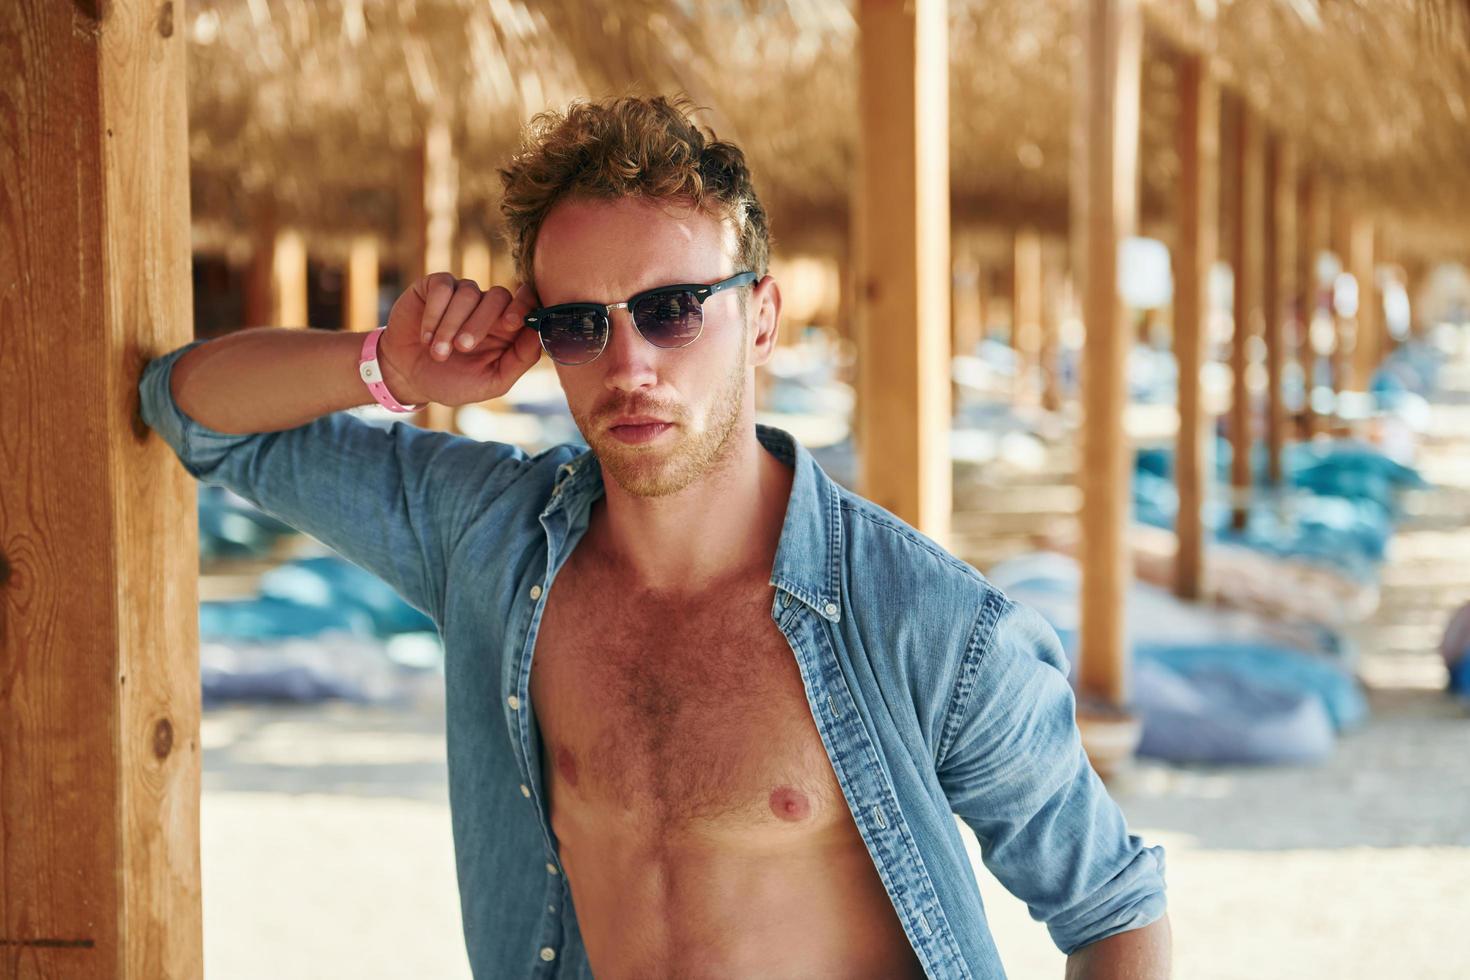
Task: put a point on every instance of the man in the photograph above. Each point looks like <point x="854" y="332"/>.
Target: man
<point x="709" y="714"/>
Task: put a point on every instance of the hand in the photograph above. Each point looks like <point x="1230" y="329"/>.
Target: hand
<point x="451" y="343"/>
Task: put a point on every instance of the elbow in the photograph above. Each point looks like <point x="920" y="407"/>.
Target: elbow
<point x="1143" y="953"/>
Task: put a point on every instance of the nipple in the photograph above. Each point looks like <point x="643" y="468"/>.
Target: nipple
<point x="789" y="803"/>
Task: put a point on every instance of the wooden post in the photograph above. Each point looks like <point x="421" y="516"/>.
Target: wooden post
<point x="1340" y="232"/>
<point x="904" y="367"/>
<point x="1370" y="319"/>
<point x="984" y="292"/>
<point x="1051" y="314"/>
<point x="1194" y="257"/>
<point x="1416" y="272"/>
<point x="1309" y="243"/>
<point x="1104" y="181"/>
<point x="260" y="287"/>
<point x="1246" y="213"/>
<point x="1026" y="314"/>
<point x="99" y="643"/>
<point x="360" y="311"/>
<point x="967" y="330"/>
<point x="1278" y="285"/>
<point x="853" y="269"/>
<point x="428" y="218"/>
<point x="288" y="264"/>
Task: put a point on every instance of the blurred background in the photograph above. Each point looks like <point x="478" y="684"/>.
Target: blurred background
<point x="1279" y="690"/>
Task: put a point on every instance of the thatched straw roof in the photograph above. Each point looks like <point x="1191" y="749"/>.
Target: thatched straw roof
<point x="312" y="104"/>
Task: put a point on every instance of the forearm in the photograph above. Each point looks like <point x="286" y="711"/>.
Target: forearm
<point x="270" y="378"/>
<point x="1139" y="954"/>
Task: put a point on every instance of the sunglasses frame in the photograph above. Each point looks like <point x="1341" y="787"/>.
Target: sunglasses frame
<point x="700" y="291"/>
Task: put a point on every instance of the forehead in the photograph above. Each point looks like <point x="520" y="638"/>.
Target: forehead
<point x="607" y="250"/>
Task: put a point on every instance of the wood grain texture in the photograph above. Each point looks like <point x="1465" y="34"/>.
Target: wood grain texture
<point x="1309" y="241"/>
<point x="1026" y="293"/>
<point x="1278" y="288"/>
<point x="904" y="278"/>
<point x="1105" y="176"/>
<point x="1360" y="262"/>
<point x="1246" y="215"/>
<point x="360" y="311"/>
<point x="1194" y="255"/>
<point x="99" y="672"/>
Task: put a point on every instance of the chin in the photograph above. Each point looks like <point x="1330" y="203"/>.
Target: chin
<point x="648" y="472"/>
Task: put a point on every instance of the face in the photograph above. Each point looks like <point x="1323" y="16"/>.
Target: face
<point x="606" y="251"/>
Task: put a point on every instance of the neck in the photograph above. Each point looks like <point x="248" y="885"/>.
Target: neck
<point x="724" y="525"/>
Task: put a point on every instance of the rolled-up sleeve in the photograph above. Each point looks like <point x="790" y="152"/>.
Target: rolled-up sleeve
<point x="392" y="500"/>
<point x="1016" y="773"/>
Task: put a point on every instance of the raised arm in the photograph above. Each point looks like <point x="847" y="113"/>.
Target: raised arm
<point x="258" y="412"/>
<point x="446" y="341"/>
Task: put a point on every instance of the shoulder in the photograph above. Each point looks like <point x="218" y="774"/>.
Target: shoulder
<point x="876" y="539"/>
<point x="931" y="609"/>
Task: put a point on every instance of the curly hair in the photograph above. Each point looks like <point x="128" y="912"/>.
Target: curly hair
<point x="629" y="147"/>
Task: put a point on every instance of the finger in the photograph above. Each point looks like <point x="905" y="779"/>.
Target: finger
<point x="492" y="304"/>
<point x="514" y="318"/>
<point x="436" y="290"/>
<point x="461" y="305"/>
<point x="518" y="358"/>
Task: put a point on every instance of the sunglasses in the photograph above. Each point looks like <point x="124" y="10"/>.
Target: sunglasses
<point x="668" y="317"/>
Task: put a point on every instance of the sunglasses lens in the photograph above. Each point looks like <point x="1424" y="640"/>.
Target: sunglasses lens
<point x="572" y="337"/>
<point x="671" y="319"/>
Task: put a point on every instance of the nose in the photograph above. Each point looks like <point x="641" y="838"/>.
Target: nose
<point x="628" y="358"/>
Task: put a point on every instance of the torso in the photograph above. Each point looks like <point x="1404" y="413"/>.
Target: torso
<point x="699" y="822"/>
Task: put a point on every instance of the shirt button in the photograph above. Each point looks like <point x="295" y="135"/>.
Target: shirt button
<point x="550" y="868"/>
<point x="535" y="592"/>
<point x="514" y="702"/>
<point x="548" y="954"/>
<point x="525" y="790"/>
<point x="831" y="609"/>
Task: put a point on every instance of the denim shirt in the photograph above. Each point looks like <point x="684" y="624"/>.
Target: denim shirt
<point x="933" y="693"/>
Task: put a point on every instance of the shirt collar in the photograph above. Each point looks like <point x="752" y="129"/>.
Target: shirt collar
<point x="808" y="556"/>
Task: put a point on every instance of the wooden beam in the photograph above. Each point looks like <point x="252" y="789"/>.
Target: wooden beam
<point x="99" y="644"/>
<point x="1310" y="240"/>
<point x="260" y="275"/>
<point x="428" y="216"/>
<point x="1367" y="342"/>
<point x="1104" y="182"/>
<point x="288" y="276"/>
<point x="360" y="306"/>
<point x="1053" y="304"/>
<point x="1340" y="235"/>
<point x="966" y="329"/>
<point x="903" y="93"/>
<point x="441" y="197"/>
<point x="1246" y="209"/>
<point x="1277" y="287"/>
<point x="1026" y="314"/>
<point x="1194" y="257"/>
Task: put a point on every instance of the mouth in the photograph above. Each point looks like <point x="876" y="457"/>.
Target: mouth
<point x="635" y="429"/>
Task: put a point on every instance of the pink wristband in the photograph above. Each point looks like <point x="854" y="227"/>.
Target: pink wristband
<point x="372" y="374"/>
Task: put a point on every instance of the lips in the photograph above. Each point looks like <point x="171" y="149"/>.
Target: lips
<point x="638" y="429"/>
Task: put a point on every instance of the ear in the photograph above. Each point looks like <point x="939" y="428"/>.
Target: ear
<point x="765" y="304"/>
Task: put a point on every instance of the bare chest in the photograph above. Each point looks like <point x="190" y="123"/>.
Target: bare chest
<point x="677" y="717"/>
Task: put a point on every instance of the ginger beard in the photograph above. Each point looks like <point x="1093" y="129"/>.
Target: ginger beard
<point x="682" y="456"/>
